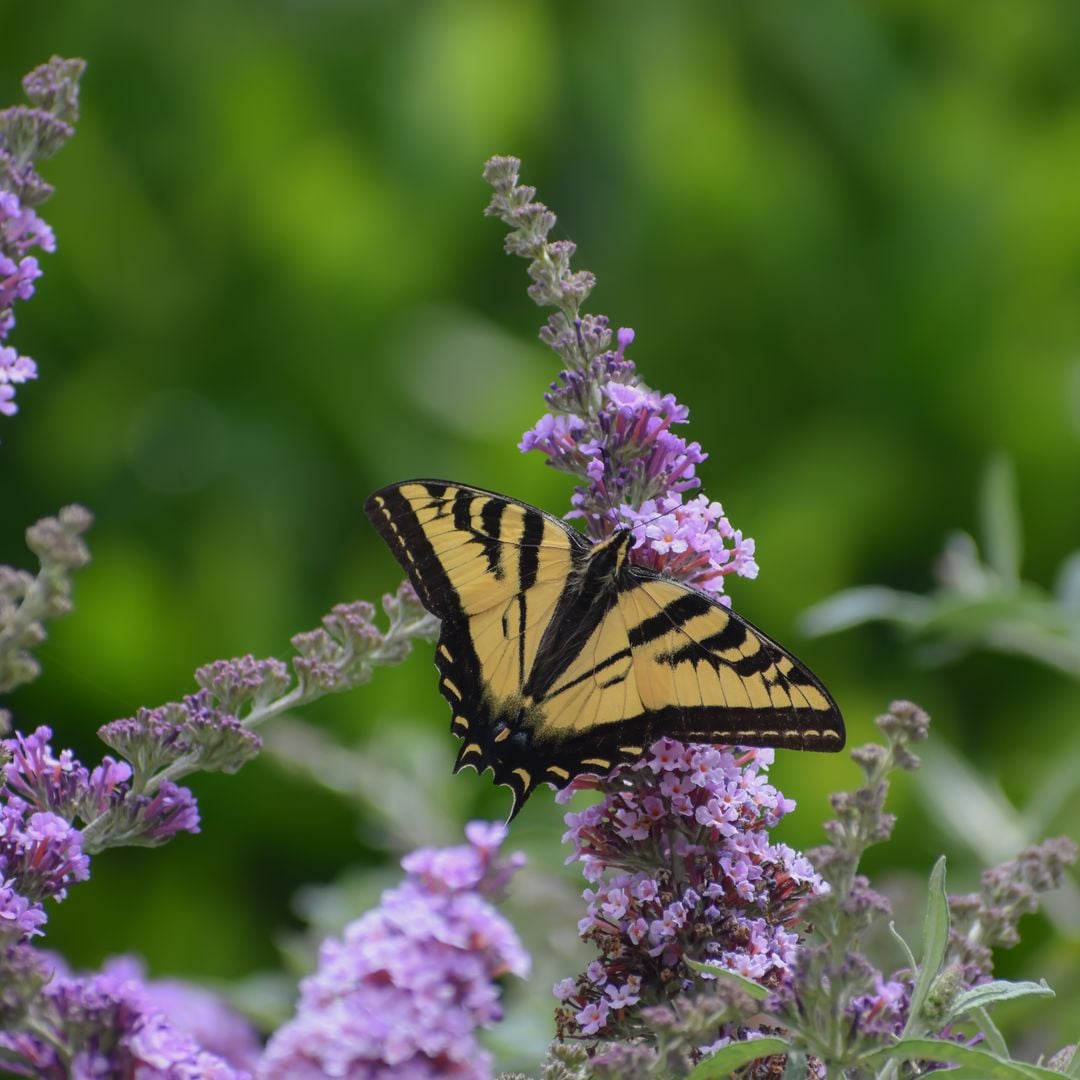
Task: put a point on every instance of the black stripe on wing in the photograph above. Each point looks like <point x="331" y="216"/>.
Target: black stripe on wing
<point x="795" y="726"/>
<point x="396" y="522"/>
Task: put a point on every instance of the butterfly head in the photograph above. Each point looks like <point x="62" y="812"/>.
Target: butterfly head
<point x="607" y="559"/>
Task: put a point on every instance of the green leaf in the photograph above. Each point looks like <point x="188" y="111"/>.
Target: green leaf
<point x="912" y="966"/>
<point x="795" y="1069"/>
<point x="996" y="990"/>
<point x="978" y="1072"/>
<point x="1067" y="588"/>
<point x="995" y="1041"/>
<point x="977" y="1064"/>
<point x="865" y="603"/>
<point x="748" y="986"/>
<point x="733" y="1056"/>
<point x="935" y="942"/>
<point x="1001" y="520"/>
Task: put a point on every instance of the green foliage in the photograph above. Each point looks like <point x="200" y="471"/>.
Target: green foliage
<point x="980" y="603"/>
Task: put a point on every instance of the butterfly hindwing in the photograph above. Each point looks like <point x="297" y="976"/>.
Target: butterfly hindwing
<point x="560" y="658"/>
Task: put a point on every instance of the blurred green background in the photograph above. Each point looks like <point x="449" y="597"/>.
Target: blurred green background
<point x="848" y="238"/>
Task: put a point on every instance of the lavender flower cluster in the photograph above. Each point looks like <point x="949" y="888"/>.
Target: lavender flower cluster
<point x="606" y="427"/>
<point x="117" y="1024"/>
<point x="40" y="855"/>
<point x="683" y="870"/>
<point x="28" y="134"/>
<point x="28" y="600"/>
<point x="42" y="796"/>
<point x="865" y="1002"/>
<point x="402" y="993"/>
<point x="55" y="812"/>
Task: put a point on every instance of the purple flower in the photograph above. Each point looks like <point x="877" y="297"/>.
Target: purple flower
<point x="884" y="1011"/>
<point x="614" y="434"/>
<point x="39" y="851"/>
<point x="51" y="857"/>
<point x="27" y="133"/>
<point x="692" y="541"/>
<point x="684" y="870"/>
<point x="21" y="228"/>
<point x="235" y="682"/>
<point x="45" y="780"/>
<point x="342" y="652"/>
<point x="159" y="817"/>
<point x="109" y="1025"/>
<point x="593" y="1017"/>
<point x="106" y="788"/>
<point x="195" y="734"/>
<point x="13" y="367"/>
<point x="197" y="1012"/>
<point x="150" y="740"/>
<point x="19" y="918"/>
<point x="605" y="426"/>
<point x="402" y="992"/>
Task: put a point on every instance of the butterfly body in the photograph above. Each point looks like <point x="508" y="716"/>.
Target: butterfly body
<point x="560" y="657"/>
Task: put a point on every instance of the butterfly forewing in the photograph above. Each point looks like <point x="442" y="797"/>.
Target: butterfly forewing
<point x="668" y="660"/>
<point x="552" y="671"/>
<point x="467" y="550"/>
<point x="707" y="674"/>
<point x="493" y="570"/>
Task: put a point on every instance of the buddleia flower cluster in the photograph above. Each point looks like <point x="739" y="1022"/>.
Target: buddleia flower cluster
<point x="682" y="870"/>
<point x="29" y="134"/>
<point x="605" y="426"/>
<point x="115" y="1023"/>
<point x="405" y="988"/>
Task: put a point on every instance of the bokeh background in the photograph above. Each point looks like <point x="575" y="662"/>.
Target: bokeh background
<point x="848" y="238"/>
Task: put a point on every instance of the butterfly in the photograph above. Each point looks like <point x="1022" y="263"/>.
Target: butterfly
<point x="561" y="657"/>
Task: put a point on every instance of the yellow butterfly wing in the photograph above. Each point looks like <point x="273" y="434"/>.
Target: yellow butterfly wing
<point x="667" y="660"/>
<point x="493" y="570"/>
<point x="560" y="658"/>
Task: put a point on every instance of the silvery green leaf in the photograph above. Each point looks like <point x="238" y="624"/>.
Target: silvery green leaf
<point x="748" y="986"/>
<point x="795" y="1069"/>
<point x="960" y="569"/>
<point x="972" y="807"/>
<point x="975" y="1063"/>
<point x="979" y="997"/>
<point x="995" y="1041"/>
<point x="907" y="948"/>
<point x="1067" y="588"/>
<point x="733" y="1056"/>
<point x="851" y="607"/>
<point x="935" y="942"/>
